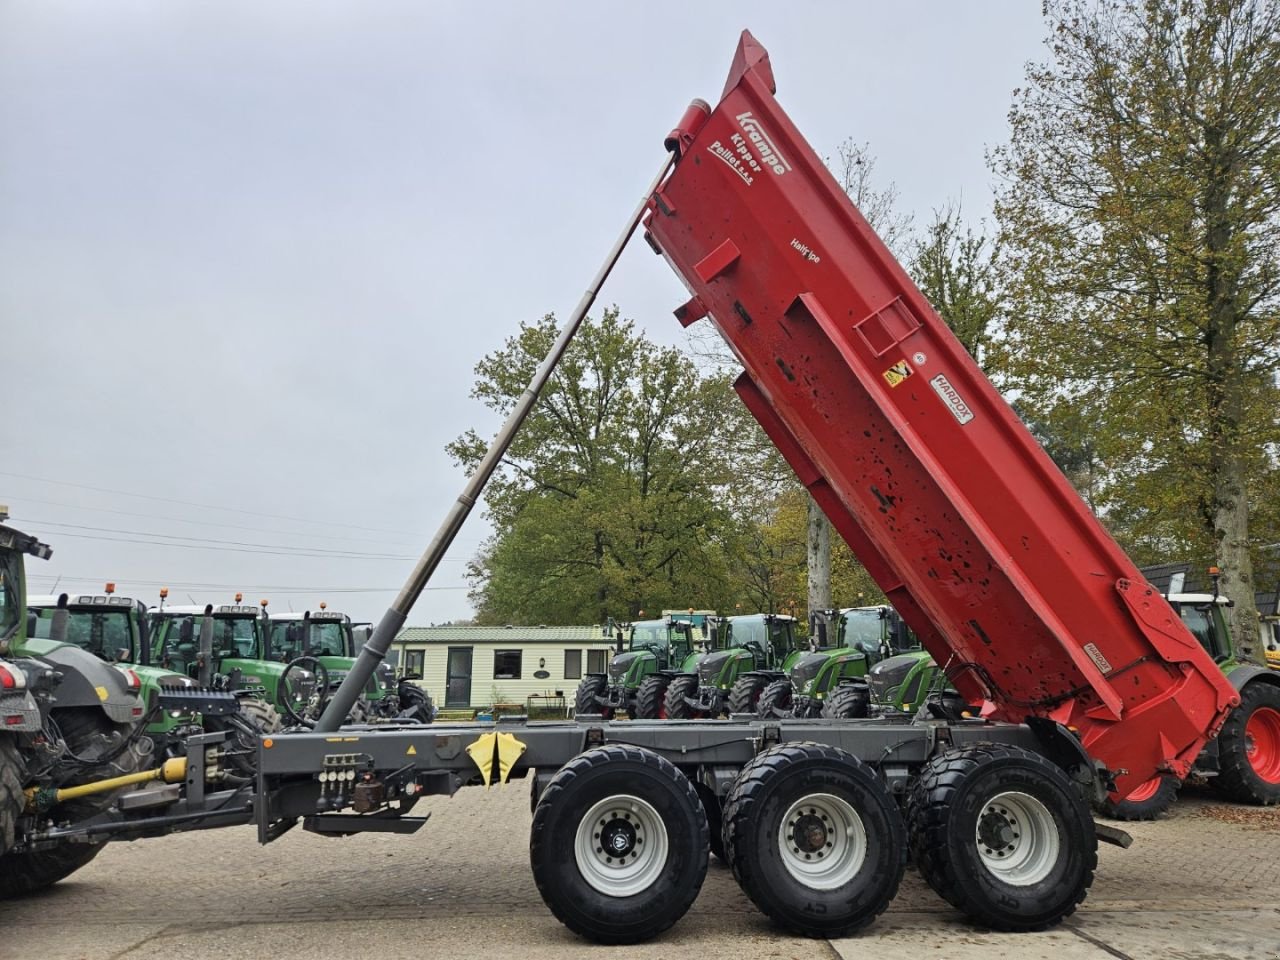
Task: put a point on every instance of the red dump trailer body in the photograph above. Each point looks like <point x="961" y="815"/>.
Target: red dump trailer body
<point x="970" y="529"/>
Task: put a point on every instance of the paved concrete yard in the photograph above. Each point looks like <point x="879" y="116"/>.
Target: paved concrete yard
<point x="1196" y="885"/>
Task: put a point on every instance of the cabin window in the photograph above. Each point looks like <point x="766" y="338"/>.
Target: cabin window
<point x="597" y="661"/>
<point x="573" y="664"/>
<point x="413" y="663"/>
<point x="506" y="664"/>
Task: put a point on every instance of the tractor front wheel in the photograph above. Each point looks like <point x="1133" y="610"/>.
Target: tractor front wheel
<point x="651" y="698"/>
<point x="849" y="701"/>
<point x="1249" y="747"/>
<point x="619" y="844"/>
<point x="744" y="696"/>
<point x="775" y="701"/>
<point x="678" y="690"/>
<point x="593" y="685"/>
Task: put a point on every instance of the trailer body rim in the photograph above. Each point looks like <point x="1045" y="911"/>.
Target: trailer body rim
<point x="1262" y="743"/>
<point x="621" y="846"/>
<point x="822" y="841"/>
<point x="1017" y="839"/>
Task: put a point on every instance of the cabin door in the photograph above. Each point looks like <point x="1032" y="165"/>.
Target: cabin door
<point x="458" y="679"/>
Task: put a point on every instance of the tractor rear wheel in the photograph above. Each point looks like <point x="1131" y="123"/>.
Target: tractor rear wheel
<point x="680" y="687"/>
<point x="744" y="696"/>
<point x="413" y="697"/>
<point x="1146" y="803"/>
<point x="619" y="844"/>
<point x="849" y="701"/>
<point x="1249" y="747"/>
<point x="651" y="698"/>
<point x="90" y="735"/>
<point x="1003" y="835"/>
<point x="814" y="839"/>
<point x="775" y="700"/>
<point x="253" y="719"/>
<point x="12" y="801"/>
<point x="593" y="685"/>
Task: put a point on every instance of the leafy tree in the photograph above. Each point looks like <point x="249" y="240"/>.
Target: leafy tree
<point x="955" y="269"/>
<point x="1141" y="227"/>
<point x="616" y="495"/>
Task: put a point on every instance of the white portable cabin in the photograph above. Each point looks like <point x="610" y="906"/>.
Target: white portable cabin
<point x="476" y="667"/>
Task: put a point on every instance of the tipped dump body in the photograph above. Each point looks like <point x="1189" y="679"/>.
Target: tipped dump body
<point x="966" y="524"/>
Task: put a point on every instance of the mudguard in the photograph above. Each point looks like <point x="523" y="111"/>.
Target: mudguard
<point x="88" y="681"/>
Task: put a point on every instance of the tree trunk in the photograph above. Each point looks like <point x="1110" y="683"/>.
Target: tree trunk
<point x="819" y="544"/>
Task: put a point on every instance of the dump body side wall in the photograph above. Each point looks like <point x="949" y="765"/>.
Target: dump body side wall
<point x="965" y="523"/>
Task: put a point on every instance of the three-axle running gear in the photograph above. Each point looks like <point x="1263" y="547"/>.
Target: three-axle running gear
<point x="813" y="836"/>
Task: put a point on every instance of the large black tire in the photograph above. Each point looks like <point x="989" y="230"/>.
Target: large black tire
<point x="684" y="685"/>
<point x="413" y="697"/>
<point x="744" y="695"/>
<point x="814" y="839"/>
<point x="775" y="701"/>
<point x="12" y="774"/>
<point x="89" y="734"/>
<point x="262" y="715"/>
<point x="651" y="698"/>
<point x="253" y="719"/>
<point x="1249" y="747"/>
<point x="1043" y="847"/>
<point x="848" y="701"/>
<point x="1146" y="803"/>
<point x="619" y="797"/>
<point x="592" y="686"/>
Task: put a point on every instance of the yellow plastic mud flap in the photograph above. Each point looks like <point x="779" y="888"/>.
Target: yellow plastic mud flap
<point x="509" y="751"/>
<point x="503" y="747"/>
<point x="482" y="753"/>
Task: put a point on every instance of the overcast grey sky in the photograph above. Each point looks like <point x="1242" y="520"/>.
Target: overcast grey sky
<point x="251" y="251"/>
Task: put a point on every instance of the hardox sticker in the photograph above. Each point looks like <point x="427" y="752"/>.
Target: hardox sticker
<point x="951" y="397"/>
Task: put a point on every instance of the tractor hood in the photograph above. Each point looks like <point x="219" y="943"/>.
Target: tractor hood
<point x="712" y="666"/>
<point x="806" y="669"/>
<point x="621" y="665"/>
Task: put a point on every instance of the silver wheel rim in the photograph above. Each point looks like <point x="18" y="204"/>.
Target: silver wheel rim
<point x="1017" y="838"/>
<point x="621" y="846"/>
<point x="822" y="842"/>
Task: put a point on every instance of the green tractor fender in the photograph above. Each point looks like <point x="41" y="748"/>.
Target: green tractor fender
<point x="1243" y="673"/>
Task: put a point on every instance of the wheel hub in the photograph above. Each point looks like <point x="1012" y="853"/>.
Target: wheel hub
<point x="618" y="837"/>
<point x="998" y="831"/>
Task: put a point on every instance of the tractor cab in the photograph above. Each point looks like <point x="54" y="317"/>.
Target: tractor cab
<point x="879" y="632"/>
<point x="669" y="640"/>
<point x="325" y="637"/>
<point x="753" y="647"/>
<point x="1203" y="614"/>
<point x="111" y="627"/>
<point x="237" y="657"/>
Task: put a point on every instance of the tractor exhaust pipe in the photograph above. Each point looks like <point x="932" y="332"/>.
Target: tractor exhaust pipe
<point x="376" y="649"/>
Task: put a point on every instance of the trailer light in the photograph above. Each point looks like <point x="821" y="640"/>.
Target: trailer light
<point x="268" y="743"/>
<point x="11" y="679"/>
<point x="132" y="679"/>
<point x="13" y="719"/>
<point x="136" y="711"/>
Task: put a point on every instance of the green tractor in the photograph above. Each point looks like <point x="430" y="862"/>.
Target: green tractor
<point x="829" y="679"/>
<point x="746" y="654"/>
<point x="225" y="646"/>
<point x="114" y="628"/>
<point x="67" y="719"/>
<point x="325" y="642"/>
<point x="653" y="654"/>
